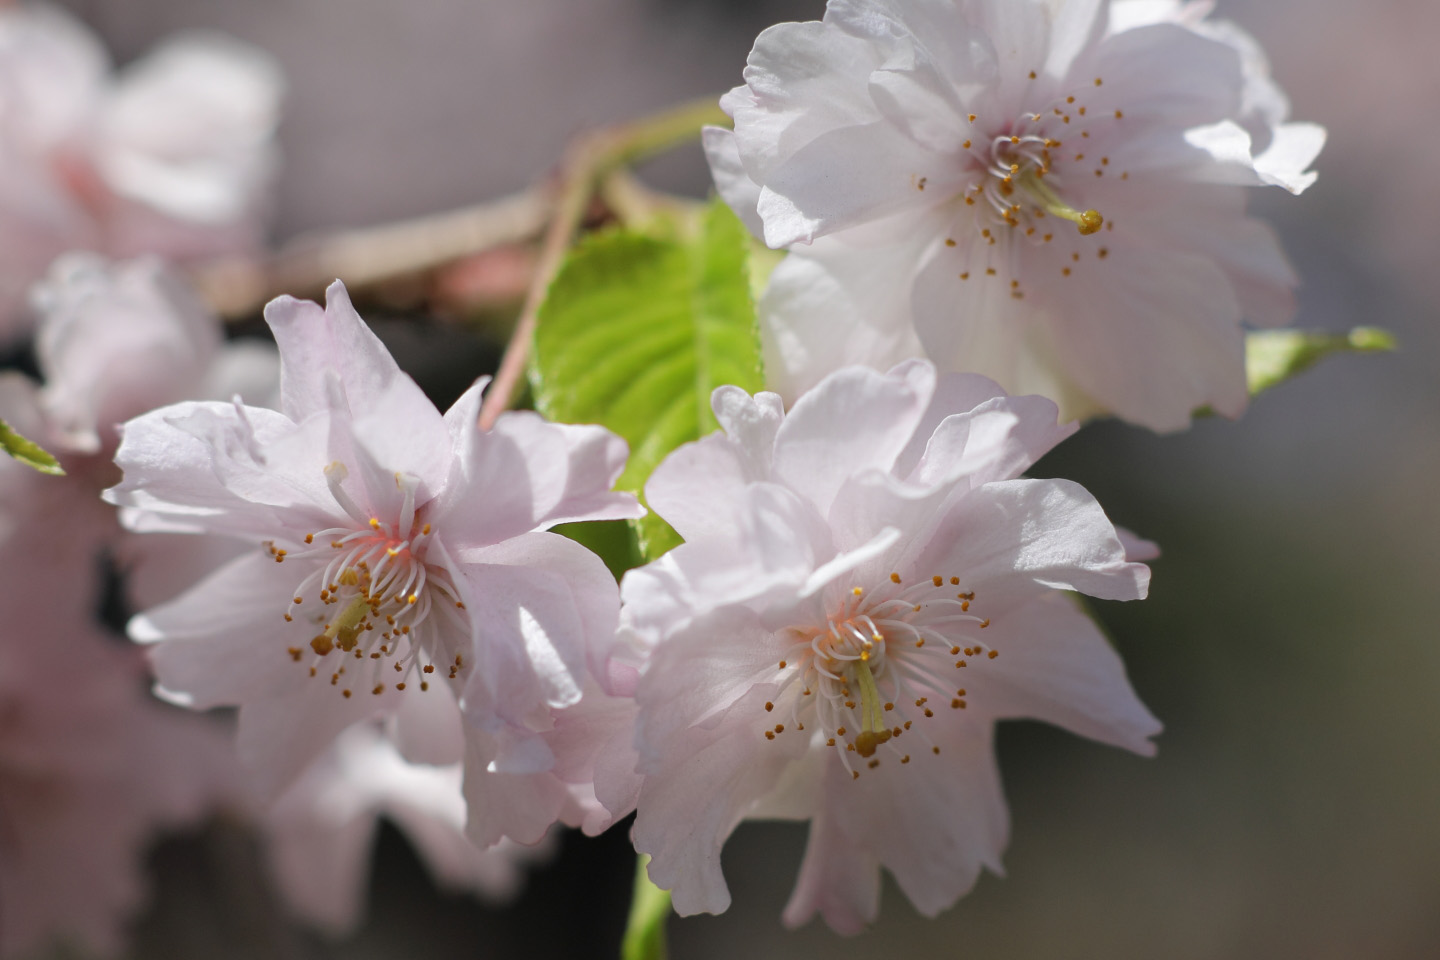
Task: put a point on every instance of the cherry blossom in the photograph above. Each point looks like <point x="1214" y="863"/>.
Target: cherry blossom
<point x="1043" y="192"/>
<point x="863" y="591"/>
<point x="174" y="156"/>
<point x="398" y="565"/>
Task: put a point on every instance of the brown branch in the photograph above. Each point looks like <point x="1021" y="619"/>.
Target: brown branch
<point x="239" y="287"/>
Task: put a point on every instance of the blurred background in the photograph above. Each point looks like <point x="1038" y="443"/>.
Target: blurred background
<point x="1289" y="643"/>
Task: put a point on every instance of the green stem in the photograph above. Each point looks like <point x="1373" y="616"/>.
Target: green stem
<point x="587" y="162"/>
<point x="649" y="908"/>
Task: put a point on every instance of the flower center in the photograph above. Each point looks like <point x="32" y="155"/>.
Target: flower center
<point x="1024" y="169"/>
<point x="381" y="592"/>
<point x="871" y="671"/>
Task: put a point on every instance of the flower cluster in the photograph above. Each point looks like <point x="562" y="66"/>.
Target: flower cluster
<point x="1000" y="217"/>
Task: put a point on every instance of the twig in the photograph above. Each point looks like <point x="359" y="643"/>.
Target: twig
<point x="239" y="287"/>
<point x="586" y="163"/>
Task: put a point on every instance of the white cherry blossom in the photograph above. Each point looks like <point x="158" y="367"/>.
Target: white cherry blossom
<point x="1042" y="191"/>
<point x="863" y="591"/>
<point x="398" y="565"/>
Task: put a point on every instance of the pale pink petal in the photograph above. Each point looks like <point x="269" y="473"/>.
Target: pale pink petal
<point x="850" y="177"/>
<point x="731" y="181"/>
<point x="855" y="420"/>
<point x="534" y="474"/>
<point x="1137" y="548"/>
<point x="797" y="79"/>
<point x="691" y="679"/>
<point x="699" y="486"/>
<point x="1055" y="665"/>
<point x="1167" y="343"/>
<point x="995" y="440"/>
<point x="933" y="822"/>
<point x="1050" y="533"/>
<point x="715" y="770"/>
<point x="839" y="880"/>
<point x="547" y="605"/>
<point x="519" y="806"/>
<point x="841" y="301"/>
<point x="208" y="465"/>
<point x="277" y="738"/>
<point x="217" y="645"/>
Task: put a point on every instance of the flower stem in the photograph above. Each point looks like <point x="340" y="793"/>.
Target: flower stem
<point x="649" y="908"/>
<point x="586" y="163"/>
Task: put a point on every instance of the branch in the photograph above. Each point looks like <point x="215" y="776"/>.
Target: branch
<point x="239" y="287"/>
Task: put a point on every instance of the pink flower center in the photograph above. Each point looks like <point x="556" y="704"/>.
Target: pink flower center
<point x="1023" y="168"/>
<point x="872" y="670"/>
<point x="381" y="592"/>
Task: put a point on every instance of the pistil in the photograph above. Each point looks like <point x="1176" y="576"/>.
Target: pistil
<point x="873" y="730"/>
<point x="1087" y="222"/>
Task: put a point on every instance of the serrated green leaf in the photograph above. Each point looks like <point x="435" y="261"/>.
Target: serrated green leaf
<point x="28" y="452"/>
<point x="1274" y="356"/>
<point x="635" y="334"/>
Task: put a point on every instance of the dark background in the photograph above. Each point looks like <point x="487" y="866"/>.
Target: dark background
<point x="1289" y="643"/>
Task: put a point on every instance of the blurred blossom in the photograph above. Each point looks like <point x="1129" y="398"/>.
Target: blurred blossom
<point x="1044" y="193"/>
<point x="91" y="769"/>
<point x="321" y="831"/>
<point x="863" y="590"/>
<point x="115" y="342"/>
<point x="174" y="156"/>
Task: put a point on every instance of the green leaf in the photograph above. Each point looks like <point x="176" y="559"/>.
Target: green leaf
<point x="28" y="452"/>
<point x="649" y="908"/>
<point x="611" y="540"/>
<point x="1274" y="356"/>
<point x="637" y="331"/>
